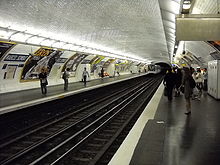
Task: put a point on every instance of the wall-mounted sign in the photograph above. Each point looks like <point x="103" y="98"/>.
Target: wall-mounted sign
<point x="16" y="57"/>
<point x="5" y="47"/>
<point x="73" y="62"/>
<point x="10" y="73"/>
<point x="95" y="62"/>
<point x="42" y="58"/>
<point x="108" y="62"/>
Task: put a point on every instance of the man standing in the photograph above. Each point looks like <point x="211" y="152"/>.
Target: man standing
<point x="65" y="78"/>
<point x="84" y="75"/>
<point x="102" y="73"/>
<point x="169" y="82"/>
<point x="43" y="81"/>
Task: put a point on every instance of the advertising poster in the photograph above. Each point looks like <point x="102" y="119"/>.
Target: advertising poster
<point x="151" y="67"/>
<point x="73" y="63"/>
<point x="42" y="58"/>
<point x="5" y="47"/>
<point x="128" y="65"/>
<point x="108" y="62"/>
<point x="120" y="65"/>
<point x="95" y="62"/>
<point x="10" y="73"/>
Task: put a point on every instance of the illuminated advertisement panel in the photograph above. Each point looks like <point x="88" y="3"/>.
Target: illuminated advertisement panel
<point x="5" y="47"/>
<point x="95" y="62"/>
<point x="122" y="65"/>
<point x="108" y="62"/>
<point x="73" y="63"/>
<point x="42" y="58"/>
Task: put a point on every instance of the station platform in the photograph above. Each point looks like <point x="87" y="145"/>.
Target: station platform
<point x="164" y="135"/>
<point x="20" y="99"/>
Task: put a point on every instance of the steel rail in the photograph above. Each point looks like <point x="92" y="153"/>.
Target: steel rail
<point x="54" y="119"/>
<point x="131" y="97"/>
<point x="41" y="142"/>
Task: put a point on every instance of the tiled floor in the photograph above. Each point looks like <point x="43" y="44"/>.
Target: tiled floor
<point x="187" y="140"/>
<point x="193" y="139"/>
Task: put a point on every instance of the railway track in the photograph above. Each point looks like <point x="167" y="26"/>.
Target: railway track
<point x="80" y="134"/>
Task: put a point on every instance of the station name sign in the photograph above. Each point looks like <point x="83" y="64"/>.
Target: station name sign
<point x="16" y="57"/>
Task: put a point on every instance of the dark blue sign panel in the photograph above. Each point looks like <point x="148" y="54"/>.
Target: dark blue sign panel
<point x="16" y="57"/>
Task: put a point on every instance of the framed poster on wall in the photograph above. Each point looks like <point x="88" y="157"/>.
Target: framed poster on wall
<point x="42" y="58"/>
<point x="5" y="47"/>
<point x="10" y="72"/>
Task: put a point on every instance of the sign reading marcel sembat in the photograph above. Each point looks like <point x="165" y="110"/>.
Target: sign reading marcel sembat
<point x="16" y="57"/>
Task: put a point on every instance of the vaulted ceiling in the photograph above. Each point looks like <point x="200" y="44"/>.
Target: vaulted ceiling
<point x="142" y="29"/>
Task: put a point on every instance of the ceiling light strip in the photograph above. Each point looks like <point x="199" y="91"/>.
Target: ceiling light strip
<point x="35" y="39"/>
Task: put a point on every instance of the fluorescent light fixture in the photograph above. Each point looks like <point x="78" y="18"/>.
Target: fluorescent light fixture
<point x="42" y="40"/>
<point x="67" y="46"/>
<point x="176" y="46"/>
<point x="58" y="44"/>
<point x="35" y="40"/>
<point x="186" y="2"/>
<point x="47" y="42"/>
<point x="21" y="37"/>
<point x="186" y="6"/>
<point x="6" y="33"/>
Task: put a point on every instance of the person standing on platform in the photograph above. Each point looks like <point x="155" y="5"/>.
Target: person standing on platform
<point x="188" y="89"/>
<point x="65" y="77"/>
<point x="205" y="82"/>
<point x="169" y="82"/>
<point x="84" y="75"/>
<point x="178" y="81"/>
<point x="199" y="82"/>
<point x="102" y="73"/>
<point x="43" y="81"/>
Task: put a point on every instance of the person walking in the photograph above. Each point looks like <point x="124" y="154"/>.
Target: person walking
<point x="84" y="75"/>
<point x="169" y="82"/>
<point x="43" y="81"/>
<point x="65" y="78"/>
<point x="188" y="88"/>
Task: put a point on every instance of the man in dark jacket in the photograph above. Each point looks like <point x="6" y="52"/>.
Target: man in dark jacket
<point x="169" y="82"/>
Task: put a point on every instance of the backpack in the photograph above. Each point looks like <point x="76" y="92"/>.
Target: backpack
<point x="192" y="83"/>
